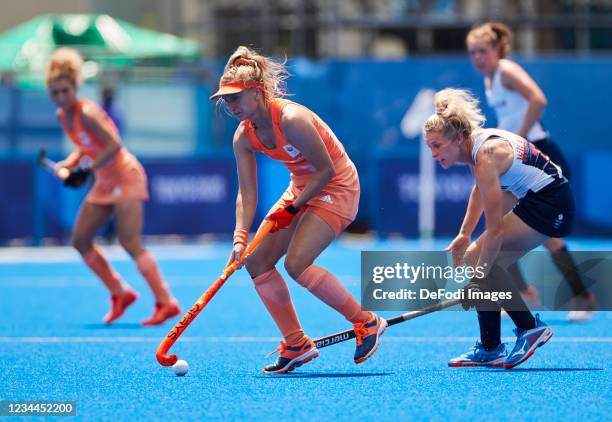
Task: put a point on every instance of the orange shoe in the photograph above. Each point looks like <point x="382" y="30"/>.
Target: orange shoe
<point x="119" y="304"/>
<point x="292" y="356"/>
<point x="162" y="313"/>
<point x="367" y="334"/>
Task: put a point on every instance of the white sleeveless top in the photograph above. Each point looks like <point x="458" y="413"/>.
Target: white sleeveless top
<point x="510" y="107"/>
<point x="530" y="170"/>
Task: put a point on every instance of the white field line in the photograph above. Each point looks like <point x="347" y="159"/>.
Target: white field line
<point x="88" y="339"/>
<point x="90" y="280"/>
<point x="67" y="254"/>
<point x="209" y="249"/>
<point x="390" y="339"/>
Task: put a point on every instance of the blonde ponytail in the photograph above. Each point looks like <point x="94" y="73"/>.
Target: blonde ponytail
<point x="247" y="66"/>
<point x="457" y="113"/>
<point x="65" y="63"/>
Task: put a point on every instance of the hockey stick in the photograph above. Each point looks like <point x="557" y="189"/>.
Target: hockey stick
<point x="349" y="334"/>
<point x="162" y="350"/>
<point x="49" y="165"/>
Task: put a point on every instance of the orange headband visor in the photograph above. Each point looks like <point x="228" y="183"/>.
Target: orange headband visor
<point x="234" y="88"/>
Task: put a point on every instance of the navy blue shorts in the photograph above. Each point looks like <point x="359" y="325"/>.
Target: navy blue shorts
<point x="549" y="211"/>
<point x="553" y="152"/>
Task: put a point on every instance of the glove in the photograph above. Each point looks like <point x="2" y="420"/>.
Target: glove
<point x="466" y="301"/>
<point x="78" y="176"/>
<point x="283" y="217"/>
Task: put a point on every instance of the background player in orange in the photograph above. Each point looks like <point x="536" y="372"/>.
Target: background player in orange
<point x="320" y="202"/>
<point x="120" y="188"/>
<point x="519" y="103"/>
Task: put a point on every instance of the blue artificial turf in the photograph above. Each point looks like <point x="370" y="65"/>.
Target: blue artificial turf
<point x="54" y="347"/>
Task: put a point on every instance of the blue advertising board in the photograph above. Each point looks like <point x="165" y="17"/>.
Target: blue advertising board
<point x="398" y="202"/>
<point x="190" y="197"/>
<point x="16" y="193"/>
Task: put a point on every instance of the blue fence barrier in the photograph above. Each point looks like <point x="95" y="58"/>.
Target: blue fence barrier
<point x="187" y="197"/>
<point x="193" y="197"/>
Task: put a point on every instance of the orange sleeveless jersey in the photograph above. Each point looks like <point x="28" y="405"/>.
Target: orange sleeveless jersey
<point x="341" y="195"/>
<point x="121" y="178"/>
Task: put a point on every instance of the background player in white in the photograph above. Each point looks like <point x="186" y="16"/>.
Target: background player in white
<point x="519" y="104"/>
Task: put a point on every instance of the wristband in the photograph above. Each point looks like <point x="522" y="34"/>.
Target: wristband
<point x="241" y="236"/>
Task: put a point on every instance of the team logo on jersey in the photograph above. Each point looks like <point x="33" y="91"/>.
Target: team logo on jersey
<point x="327" y="199"/>
<point x="292" y="151"/>
<point x="558" y="221"/>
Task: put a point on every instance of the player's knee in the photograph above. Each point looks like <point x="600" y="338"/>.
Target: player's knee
<point x="258" y="263"/>
<point x="471" y="254"/>
<point x="473" y="247"/>
<point x="295" y="266"/>
<point x="251" y="267"/>
<point x="256" y="266"/>
<point x="554" y="244"/>
<point x="131" y="246"/>
<point x="81" y="244"/>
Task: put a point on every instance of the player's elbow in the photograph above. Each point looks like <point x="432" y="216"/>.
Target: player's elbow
<point x="540" y="101"/>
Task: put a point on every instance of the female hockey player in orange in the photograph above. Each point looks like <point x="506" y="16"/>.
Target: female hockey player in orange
<point x="320" y="202"/>
<point x="120" y="188"/>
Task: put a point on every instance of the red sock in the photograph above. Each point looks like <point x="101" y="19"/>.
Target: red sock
<point x="273" y="292"/>
<point x="95" y="259"/>
<point x="147" y="265"/>
<point x="328" y="288"/>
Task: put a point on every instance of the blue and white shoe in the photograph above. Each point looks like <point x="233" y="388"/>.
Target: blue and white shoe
<point x="479" y="356"/>
<point x="367" y="334"/>
<point x="527" y="341"/>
